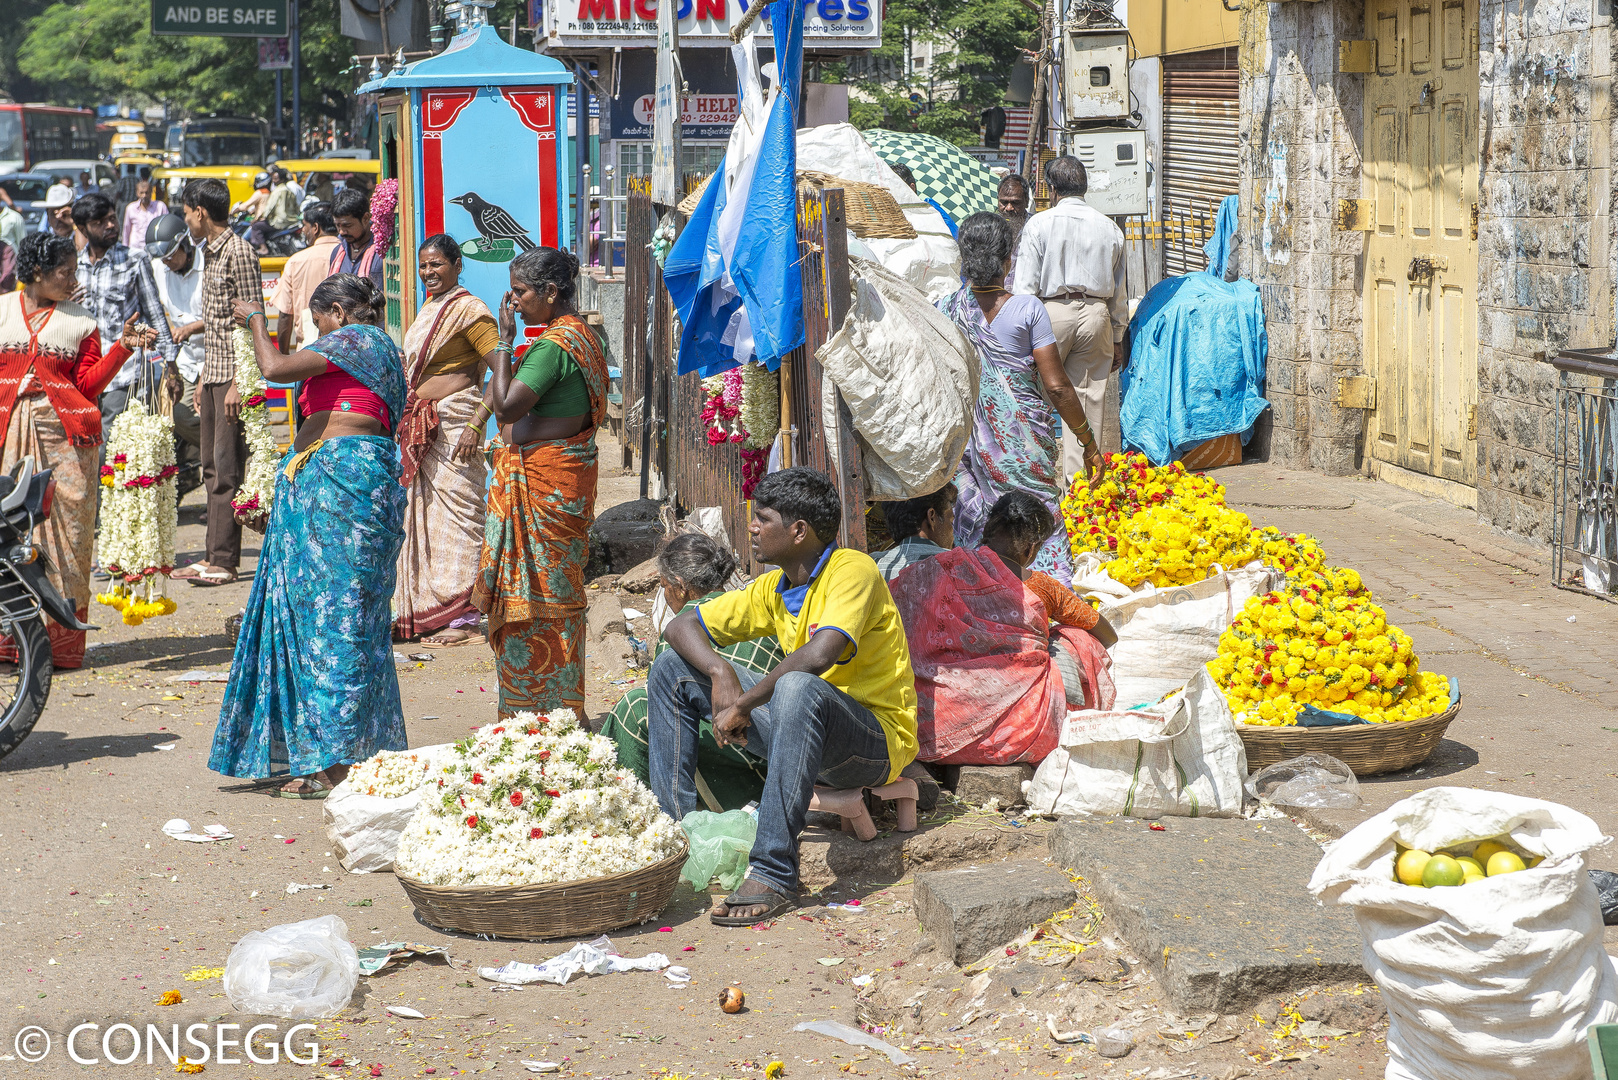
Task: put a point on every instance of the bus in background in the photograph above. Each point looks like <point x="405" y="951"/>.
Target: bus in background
<point x="33" y="133"/>
<point x="217" y="140"/>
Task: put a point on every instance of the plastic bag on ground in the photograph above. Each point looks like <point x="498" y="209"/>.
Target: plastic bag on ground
<point x="297" y="971"/>
<point x="720" y="845"/>
<point x="1307" y="782"/>
<point x="365" y="829"/>
<point x="1497" y="980"/>
<point x="1182" y="757"/>
<point x="855" y="1037"/>
<point x="1606" y="883"/>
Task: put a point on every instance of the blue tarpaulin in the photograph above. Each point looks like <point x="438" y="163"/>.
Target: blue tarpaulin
<point x="1196" y="366"/>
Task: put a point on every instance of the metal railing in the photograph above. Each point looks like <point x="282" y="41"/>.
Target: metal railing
<point x="1584" y="526"/>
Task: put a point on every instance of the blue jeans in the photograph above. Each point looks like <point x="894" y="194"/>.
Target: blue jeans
<point x="809" y="731"/>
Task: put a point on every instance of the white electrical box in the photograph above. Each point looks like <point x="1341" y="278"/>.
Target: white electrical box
<point x="1095" y="74"/>
<point x="1116" y="164"/>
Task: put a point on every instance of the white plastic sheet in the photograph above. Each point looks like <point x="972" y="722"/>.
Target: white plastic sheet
<point x="596" y="957"/>
<point x="1497" y="980"/>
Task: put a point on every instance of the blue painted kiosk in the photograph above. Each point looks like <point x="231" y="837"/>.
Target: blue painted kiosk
<point x="477" y="137"/>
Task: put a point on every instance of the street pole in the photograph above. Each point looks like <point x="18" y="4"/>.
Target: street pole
<point x="280" y="115"/>
<point x="297" y="66"/>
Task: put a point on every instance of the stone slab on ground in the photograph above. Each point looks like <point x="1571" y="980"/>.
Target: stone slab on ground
<point x="1217" y="906"/>
<point x="977" y="784"/>
<point x="833" y="859"/>
<point x="974" y="909"/>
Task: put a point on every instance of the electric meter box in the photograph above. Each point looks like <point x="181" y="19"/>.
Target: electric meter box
<point x="1116" y="164"/>
<point x="1095" y="74"/>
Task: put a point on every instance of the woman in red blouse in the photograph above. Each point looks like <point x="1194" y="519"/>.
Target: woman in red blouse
<point x="51" y="372"/>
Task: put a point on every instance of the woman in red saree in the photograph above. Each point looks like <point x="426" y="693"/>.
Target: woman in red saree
<point x="550" y="402"/>
<point x="447" y="347"/>
<point x="52" y="370"/>
<point x="994" y="678"/>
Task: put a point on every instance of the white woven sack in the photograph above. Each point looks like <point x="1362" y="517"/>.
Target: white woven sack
<point x="910" y="378"/>
<point x="1165" y="636"/>
<point x="365" y="829"/>
<point x="1497" y="980"/>
<point x="1181" y="757"/>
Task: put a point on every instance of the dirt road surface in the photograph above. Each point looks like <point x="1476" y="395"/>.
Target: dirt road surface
<point x="102" y="913"/>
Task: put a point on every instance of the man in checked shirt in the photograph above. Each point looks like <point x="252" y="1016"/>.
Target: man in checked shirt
<point x="229" y="273"/>
<point x="118" y="282"/>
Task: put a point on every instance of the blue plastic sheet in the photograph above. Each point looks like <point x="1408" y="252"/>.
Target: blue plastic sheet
<point x="1218" y="246"/>
<point x="1315" y="716"/>
<point x="1196" y="366"/>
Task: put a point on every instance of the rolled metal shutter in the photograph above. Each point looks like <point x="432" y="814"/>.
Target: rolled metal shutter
<point x="1201" y="157"/>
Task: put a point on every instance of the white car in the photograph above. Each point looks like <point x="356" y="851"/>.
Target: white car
<point x="103" y="175"/>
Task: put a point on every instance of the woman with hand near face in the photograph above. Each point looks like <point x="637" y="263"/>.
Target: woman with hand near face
<point x="549" y="400"/>
<point x="312" y="686"/>
<point x="452" y="341"/>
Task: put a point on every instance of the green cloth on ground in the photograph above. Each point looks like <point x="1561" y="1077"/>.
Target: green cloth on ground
<point x="734" y="776"/>
<point x="551" y="372"/>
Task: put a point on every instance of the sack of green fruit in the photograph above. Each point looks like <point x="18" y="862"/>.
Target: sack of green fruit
<point x="1482" y="930"/>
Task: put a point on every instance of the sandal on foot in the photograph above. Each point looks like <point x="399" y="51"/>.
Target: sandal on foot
<point x="213" y="576"/>
<point x="318" y="789"/>
<point x="774" y="903"/>
<point x="429" y="643"/>
<point x="189" y="572"/>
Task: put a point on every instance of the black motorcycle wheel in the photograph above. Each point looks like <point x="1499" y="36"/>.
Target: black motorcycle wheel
<point x="26" y="684"/>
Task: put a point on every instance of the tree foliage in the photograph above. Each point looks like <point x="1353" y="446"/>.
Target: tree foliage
<point x="976" y="43"/>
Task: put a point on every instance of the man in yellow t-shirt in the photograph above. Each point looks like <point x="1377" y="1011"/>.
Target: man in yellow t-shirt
<point x="840" y="709"/>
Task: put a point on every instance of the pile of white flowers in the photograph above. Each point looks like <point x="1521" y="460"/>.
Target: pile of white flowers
<point x="530" y="801"/>
<point x="138" y="513"/>
<point x="393" y="774"/>
<point x="761" y="405"/>
<point x="252" y="501"/>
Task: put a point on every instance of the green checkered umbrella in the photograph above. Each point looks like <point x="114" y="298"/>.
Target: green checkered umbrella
<point x="944" y="172"/>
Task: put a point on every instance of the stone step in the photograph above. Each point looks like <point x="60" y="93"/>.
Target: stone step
<point x="1216" y="906"/>
<point x="978" y="908"/>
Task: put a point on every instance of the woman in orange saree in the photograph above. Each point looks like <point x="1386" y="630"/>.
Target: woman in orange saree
<point x="549" y="401"/>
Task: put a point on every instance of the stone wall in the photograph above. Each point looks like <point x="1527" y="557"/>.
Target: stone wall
<point x="1545" y="234"/>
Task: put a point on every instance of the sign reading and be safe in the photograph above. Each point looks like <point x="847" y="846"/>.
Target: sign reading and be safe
<point x="826" y="23"/>
<point x="221" y="18"/>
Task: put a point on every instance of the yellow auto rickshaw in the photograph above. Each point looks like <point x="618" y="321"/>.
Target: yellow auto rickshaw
<point x="239" y="178"/>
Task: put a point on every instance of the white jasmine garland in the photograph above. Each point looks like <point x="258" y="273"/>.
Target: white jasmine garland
<point x="253" y="498"/>
<point x="533" y="800"/>
<point x="138" y="513"/>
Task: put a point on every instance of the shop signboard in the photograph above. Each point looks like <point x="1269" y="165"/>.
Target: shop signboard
<point x="827" y="24"/>
<point x="708" y="108"/>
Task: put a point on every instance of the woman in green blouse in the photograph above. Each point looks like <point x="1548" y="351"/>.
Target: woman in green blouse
<point x="536" y="537"/>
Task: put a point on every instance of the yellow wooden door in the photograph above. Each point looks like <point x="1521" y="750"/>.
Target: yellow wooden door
<point x="1421" y="254"/>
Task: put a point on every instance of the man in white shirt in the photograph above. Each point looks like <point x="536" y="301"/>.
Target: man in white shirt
<point x="177" y="267"/>
<point x="1072" y="257"/>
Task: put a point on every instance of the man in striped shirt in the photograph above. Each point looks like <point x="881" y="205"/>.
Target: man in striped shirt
<point x="229" y="273"/>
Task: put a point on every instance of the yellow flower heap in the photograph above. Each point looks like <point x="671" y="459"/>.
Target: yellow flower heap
<point x="1159" y="524"/>
<point x="1322" y="641"/>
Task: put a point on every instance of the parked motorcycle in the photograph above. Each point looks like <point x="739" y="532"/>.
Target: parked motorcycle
<point x="26" y="597"/>
<point x="285" y="242"/>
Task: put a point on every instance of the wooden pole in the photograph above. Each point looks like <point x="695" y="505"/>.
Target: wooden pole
<point x="850" y="470"/>
<point x="1036" y="102"/>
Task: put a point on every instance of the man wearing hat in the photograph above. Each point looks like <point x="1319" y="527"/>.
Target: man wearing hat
<point x="177" y="266"/>
<point x="58" y="217"/>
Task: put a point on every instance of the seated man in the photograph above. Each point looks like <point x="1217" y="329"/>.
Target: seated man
<point x="693" y="569"/>
<point x="994" y="680"/>
<point x="920" y="528"/>
<point x="839" y="710"/>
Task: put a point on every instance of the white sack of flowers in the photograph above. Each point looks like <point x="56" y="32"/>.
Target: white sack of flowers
<point x="531" y="801"/>
<point x="1500" y="979"/>
<point x="366" y="814"/>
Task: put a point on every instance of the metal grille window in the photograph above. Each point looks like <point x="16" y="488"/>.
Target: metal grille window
<point x="698" y="161"/>
<point x="1201" y="152"/>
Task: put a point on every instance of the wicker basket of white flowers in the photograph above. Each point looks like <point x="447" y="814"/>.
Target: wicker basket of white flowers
<point x="532" y="831"/>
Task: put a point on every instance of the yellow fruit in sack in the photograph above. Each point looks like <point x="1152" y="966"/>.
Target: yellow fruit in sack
<point x="1504" y="862"/>
<point x="1442" y="870"/>
<point x="1471" y="868"/>
<point x="1486" y="849"/>
<point x="1411" y="865"/>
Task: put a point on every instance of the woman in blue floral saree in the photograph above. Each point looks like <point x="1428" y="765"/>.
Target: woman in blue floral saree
<point x="312" y="685"/>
